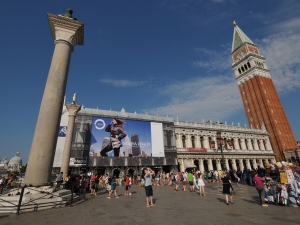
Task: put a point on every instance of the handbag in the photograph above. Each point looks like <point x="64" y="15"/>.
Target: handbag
<point x="232" y="192"/>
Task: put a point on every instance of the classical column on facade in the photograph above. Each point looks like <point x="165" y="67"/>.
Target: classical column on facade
<point x="261" y="164"/>
<point x="236" y="145"/>
<point x="178" y="140"/>
<point x="201" y="165"/>
<point x="206" y="143"/>
<point x="197" y="141"/>
<point x="268" y="145"/>
<point x="261" y="145"/>
<point x="214" y="138"/>
<point x="233" y="163"/>
<point x="241" y="164"/>
<point x="67" y="33"/>
<point x="249" y="144"/>
<point x="218" y="163"/>
<point x="254" y="163"/>
<point x="226" y="163"/>
<point x="182" y="164"/>
<point x="243" y="145"/>
<point x="255" y="145"/>
<point x="188" y="141"/>
<point x="210" y="165"/>
<point x="73" y="110"/>
<point x="248" y="165"/>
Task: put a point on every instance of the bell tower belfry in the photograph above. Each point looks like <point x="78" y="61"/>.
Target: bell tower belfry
<point x="260" y="98"/>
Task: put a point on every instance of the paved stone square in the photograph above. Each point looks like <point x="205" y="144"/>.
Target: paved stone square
<point x="172" y="207"/>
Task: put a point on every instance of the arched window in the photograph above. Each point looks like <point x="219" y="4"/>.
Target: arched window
<point x="193" y="141"/>
<point x="183" y="141"/>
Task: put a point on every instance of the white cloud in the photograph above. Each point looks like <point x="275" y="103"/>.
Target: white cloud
<point x="214" y="98"/>
<point x="217" y="97"/>
<point x="214" y="60"/>
<point x="122" y="83"/>
<point x="283" y="60"/>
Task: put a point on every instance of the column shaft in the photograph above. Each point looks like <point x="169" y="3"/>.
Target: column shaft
<point x="45" y="135"/>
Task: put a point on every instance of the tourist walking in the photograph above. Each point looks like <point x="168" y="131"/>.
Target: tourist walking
<point x="191" y="181"/>
<point x="126" y="185"/>
<point x="259" y="185"/>
<point x="113" y="187"/>
<point x="226" y="187"/>
<point x="200" y="184"/>
<point x="148" y="187"/>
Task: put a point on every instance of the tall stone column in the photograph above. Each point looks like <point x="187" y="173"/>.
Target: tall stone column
<point x="201" y="165"/>
<point x="67" y="33"/>
<point x="73" y="110"/>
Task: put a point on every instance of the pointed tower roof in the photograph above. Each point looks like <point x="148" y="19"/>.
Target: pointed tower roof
<point x="239" y="38"/>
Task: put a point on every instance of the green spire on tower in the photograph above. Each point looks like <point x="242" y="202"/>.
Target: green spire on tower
<point x="239" y="38"/>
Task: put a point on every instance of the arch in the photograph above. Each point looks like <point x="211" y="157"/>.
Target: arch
<point x="196" y="163"/>
<point x="214" y="164"/>
<point x="205" y="165"/>
<point x="193" y="141"/>
<point x="183" y="141"/>
<point x="202" y="141"/>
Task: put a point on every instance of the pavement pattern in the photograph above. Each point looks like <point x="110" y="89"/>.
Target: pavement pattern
<point x="171" y="207"/>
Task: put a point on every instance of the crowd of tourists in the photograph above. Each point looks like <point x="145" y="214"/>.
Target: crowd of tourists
<point x="263" y="179"/>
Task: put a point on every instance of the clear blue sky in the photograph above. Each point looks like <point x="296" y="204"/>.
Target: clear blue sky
<point x="160" y="57"/>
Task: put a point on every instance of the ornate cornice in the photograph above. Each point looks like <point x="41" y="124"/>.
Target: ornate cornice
<point x="68" y="29"/>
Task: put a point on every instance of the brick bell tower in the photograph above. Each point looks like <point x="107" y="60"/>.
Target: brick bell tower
<point x="261" y="101"/>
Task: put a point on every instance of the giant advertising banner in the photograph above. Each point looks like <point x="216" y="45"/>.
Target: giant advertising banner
<point x="143" y="138"/>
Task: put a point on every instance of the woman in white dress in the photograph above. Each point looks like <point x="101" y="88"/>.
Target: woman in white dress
<point x="201" y="184"/>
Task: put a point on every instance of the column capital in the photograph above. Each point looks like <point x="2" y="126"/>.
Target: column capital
<point x="67" y="29"/>
<point x="73" y="109"/>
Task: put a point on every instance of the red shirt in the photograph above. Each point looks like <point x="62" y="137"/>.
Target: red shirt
<point x="258" y="181"/>
<point x="127" y="181"/>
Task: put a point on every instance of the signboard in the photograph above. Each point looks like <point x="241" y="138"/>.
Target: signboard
<point x="62" y="131"/>
<point x="126" y="138"/>
<point x="283" y="177"/>
<point x="196" y="149"/>
<point x="78" y="162"/>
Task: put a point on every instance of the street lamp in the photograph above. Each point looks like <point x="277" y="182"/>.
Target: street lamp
<point x="220" y="143"/>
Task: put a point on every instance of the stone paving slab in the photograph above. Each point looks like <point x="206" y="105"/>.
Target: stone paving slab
<point x="172" y="207"/>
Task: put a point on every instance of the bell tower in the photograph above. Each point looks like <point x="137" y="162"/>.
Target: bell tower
<point x="260" y="98"/>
